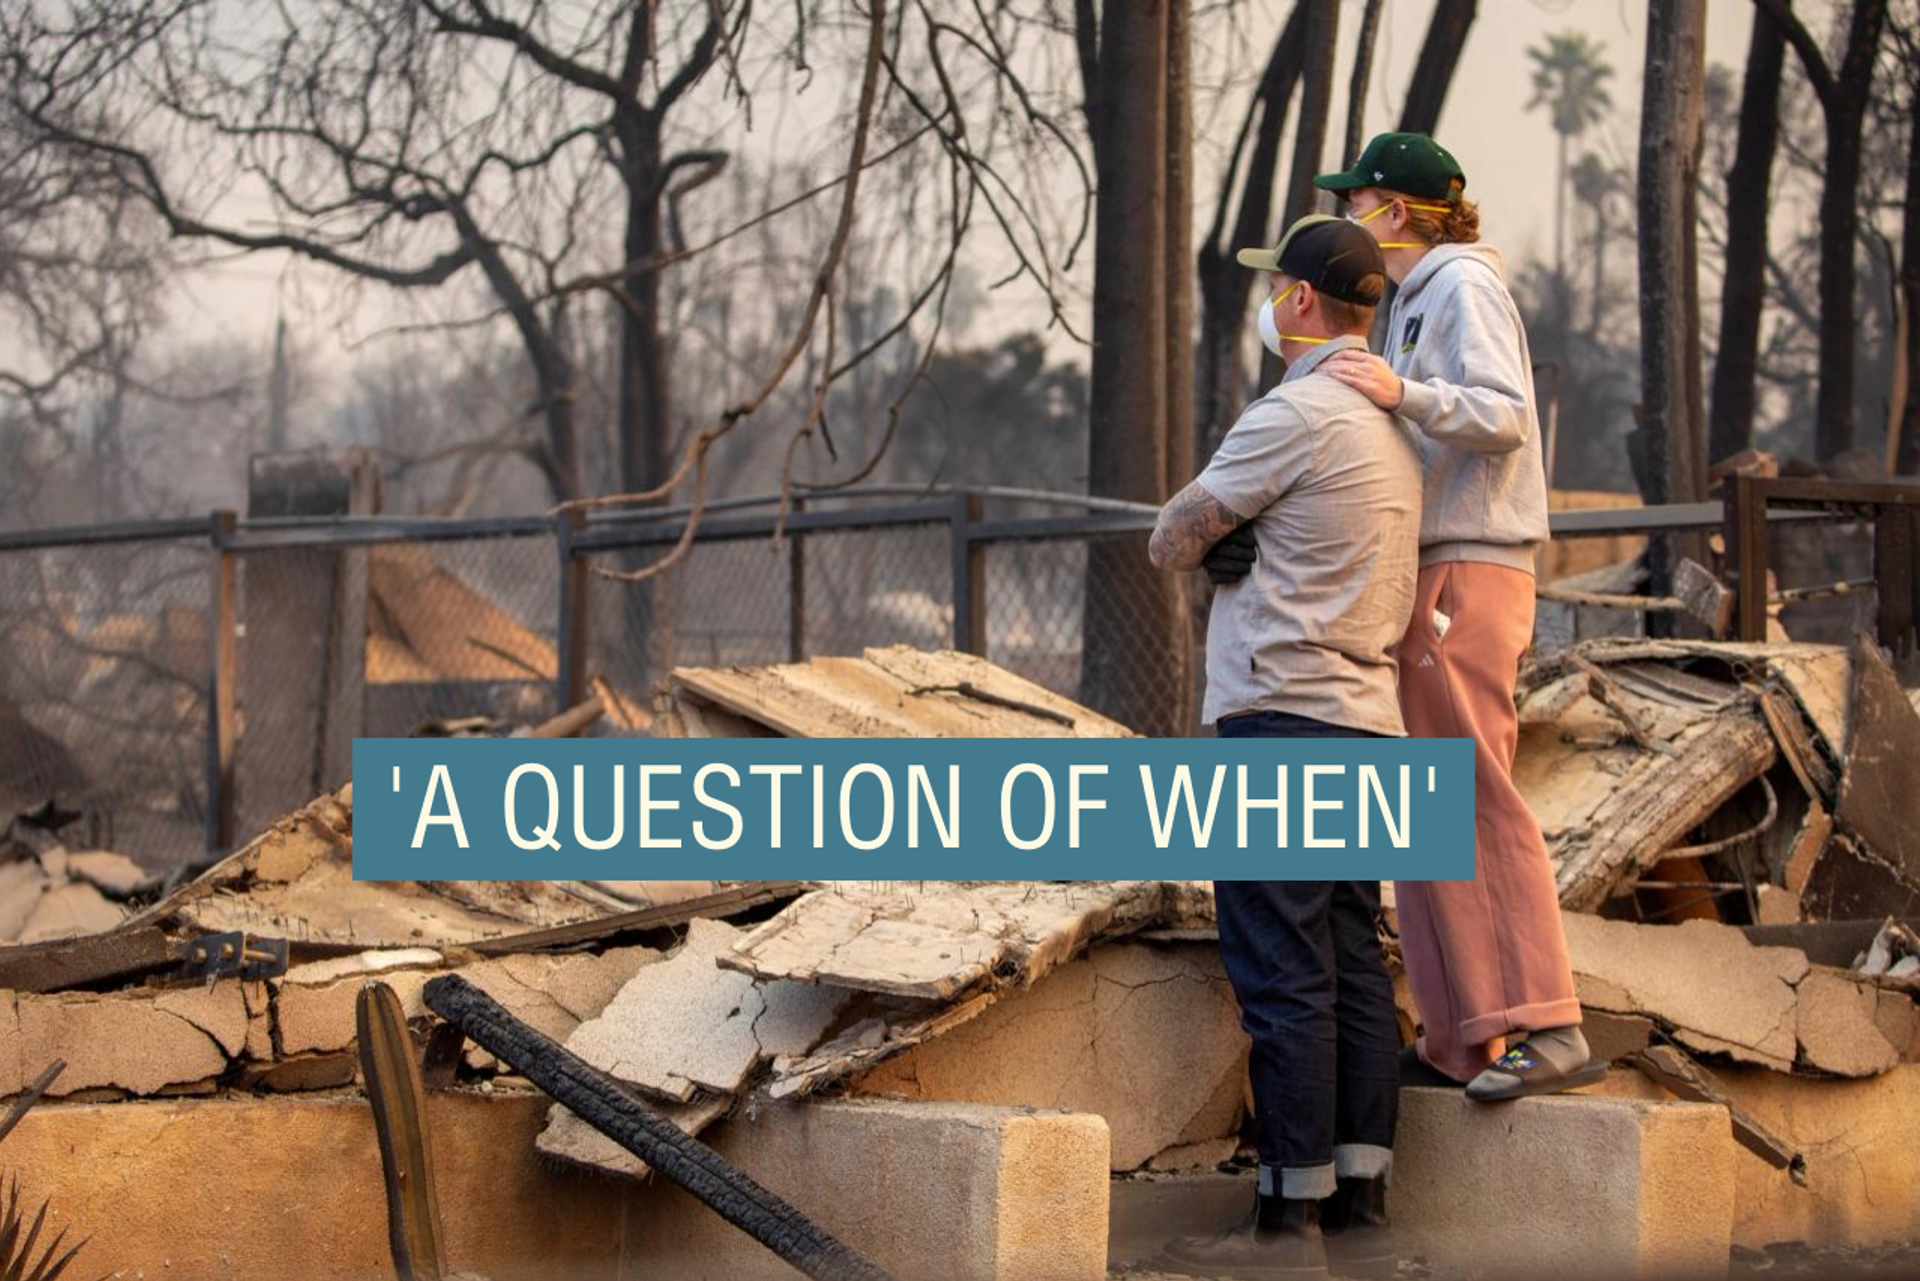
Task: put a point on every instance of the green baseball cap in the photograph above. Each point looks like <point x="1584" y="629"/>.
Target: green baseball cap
<point x="1410" y="163"/>
<point x="1331" y="254"/>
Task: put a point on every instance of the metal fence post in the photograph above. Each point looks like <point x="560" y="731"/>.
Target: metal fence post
<point x="969" y="575"/>
<point x="1747" y="521"/>
<point x="797" y="591"/>
<point x="223" y="619"/>
<point x="1896" y="572"/>
<point x="572" y="635"/>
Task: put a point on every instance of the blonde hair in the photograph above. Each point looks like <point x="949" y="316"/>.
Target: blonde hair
<point x="1460" y="225"/>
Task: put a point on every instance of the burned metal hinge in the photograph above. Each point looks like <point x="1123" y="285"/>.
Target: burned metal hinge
<point x="234" y="953"/>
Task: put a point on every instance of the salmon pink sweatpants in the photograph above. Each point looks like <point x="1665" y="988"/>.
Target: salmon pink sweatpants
<point x="1487" y="957"/>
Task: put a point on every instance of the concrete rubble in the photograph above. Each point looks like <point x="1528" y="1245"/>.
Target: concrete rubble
<point x="1715" y="992"/>
<point x="51" y="893"/>
<point x="296" y="881"/>
<point x="1732" y="831"/>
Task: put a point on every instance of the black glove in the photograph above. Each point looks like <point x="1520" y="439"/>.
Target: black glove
<point x="1231" y="559"/>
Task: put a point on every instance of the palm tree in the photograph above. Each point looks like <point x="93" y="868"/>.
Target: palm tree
<point x="1570" y="80"/>
<point x="1594" y="183"/>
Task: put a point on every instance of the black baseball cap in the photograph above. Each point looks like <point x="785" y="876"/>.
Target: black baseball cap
<point x="1331" y="254"/>
<point x="1410" y="163"/>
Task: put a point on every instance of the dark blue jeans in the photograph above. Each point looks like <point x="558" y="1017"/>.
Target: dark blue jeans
<point x="1304" y="958"/>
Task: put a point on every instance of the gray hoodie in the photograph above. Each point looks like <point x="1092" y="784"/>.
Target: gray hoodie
<point x="1456" y="340"/>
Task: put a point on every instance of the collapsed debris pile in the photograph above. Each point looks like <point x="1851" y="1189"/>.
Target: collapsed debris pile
<point x="1785" y="767"/>
<point x="1733" y="827"/>
<point x="56" y="893"/>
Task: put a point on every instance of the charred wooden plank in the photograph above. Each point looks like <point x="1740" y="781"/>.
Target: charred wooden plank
<point x="618" y="1113"/>
<point x="729" y="902"/>
<point x="117" y="957"/>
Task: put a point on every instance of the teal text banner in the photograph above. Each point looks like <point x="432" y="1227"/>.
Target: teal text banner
<point x="919" y="809"/>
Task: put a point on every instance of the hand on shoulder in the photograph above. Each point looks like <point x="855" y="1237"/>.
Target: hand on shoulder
<point x="1367" y="374"/>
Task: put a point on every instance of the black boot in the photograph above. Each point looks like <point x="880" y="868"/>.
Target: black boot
<point x="1358" y="1234"/>
<point x="1279" y="1239"/>
<point x="1415" y="1072"/>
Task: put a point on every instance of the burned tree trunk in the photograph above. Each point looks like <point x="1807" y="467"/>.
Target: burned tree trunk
<point x="644" y="429"/>
<point x="1839" y="223"/>
<point x="1906" y="454"/>
<point x="547" y="355"/>
<point x="1133" y="640"/>
<point x="1310" y="139"/>
<point x="1743" y="293"/>
<point x="1844" y="94"/>
<point x="1316" y="105"/>
<point x="1669" y="456"/>
<point x="1439" y="57"/>
<point x="1178" y="250"/>
<point x="1358" y="83"/>
<point x="1221" y="382"/>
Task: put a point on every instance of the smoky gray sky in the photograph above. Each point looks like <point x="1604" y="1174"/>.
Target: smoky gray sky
<point x="1507" y="151"/>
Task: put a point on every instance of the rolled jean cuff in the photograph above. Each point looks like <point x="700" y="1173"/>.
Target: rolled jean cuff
<point x="1362" y="1161"/>
<point x="1299" y="1182"/>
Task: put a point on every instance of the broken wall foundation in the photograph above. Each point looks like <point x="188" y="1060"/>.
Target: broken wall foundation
<point x="241" y="1188"/>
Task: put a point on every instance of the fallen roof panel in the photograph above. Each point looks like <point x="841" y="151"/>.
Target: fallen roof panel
<point x="938" y="940"/>
<point x="896" y="692"/>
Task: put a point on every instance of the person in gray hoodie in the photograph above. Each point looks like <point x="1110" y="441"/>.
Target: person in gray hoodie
<point x="1486" y="959"/>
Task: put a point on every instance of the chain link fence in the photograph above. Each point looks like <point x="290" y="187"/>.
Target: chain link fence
<point x="104" y="689"/>
<point x="115" y="683"/>
<point x="180" y="684"/>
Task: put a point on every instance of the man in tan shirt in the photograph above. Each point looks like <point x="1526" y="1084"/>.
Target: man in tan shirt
<point x="1321" y="490"/>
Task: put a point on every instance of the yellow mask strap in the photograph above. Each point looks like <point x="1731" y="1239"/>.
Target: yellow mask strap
<point x="1293" y="337"/>
<point x="1277" y="312"/>
<point x="1403" y="244"/>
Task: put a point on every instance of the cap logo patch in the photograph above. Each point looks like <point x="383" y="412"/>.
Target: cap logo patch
<point x="1379" y="176"/>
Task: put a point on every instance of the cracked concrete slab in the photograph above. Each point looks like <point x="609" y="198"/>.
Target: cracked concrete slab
<point x="936" y="940"/>
<point x="140" y="1042"/>
<point x="314" y="1004"/>
<point x="685" y="1024"/>
<point x="1837" y="1026"/>
<point x="1898" y="1019"/>
<point x="319" y="1017"/>
<point x="1717" y="991"/>
<point x="554" y="994"/>
<point x="567" y="1138"/>
<point x="889" y="1025"/>
<point x="1147" y="1036"/>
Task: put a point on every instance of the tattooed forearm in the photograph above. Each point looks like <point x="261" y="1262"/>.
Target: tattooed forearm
<point x="1192" y="521"/>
